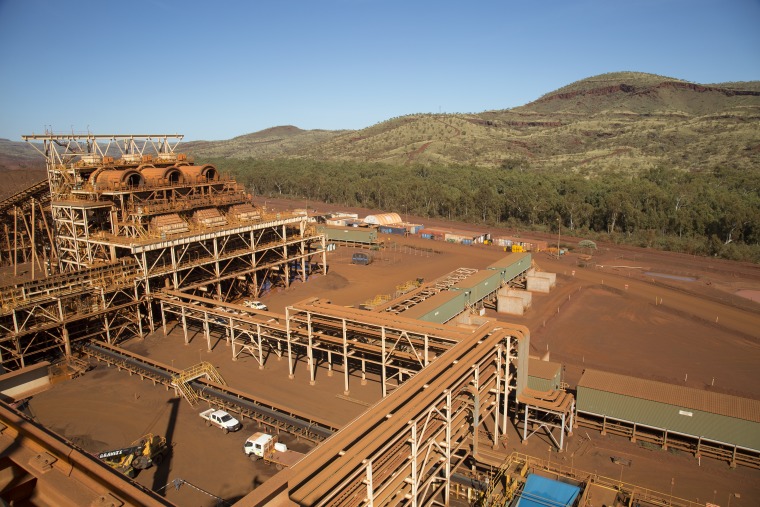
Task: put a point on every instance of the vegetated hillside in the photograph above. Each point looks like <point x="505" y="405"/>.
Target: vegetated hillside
<point x="19" y="155"/>
<point x="621" y="122"/>
<point x="21" y="166"/>
<point x="275" y="142"/>
<point x="616" y="122"/>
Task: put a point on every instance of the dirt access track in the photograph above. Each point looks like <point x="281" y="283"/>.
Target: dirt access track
<point x="656" y="315"/>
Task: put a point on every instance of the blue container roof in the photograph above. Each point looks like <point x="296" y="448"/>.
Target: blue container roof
<point x="542" y="492"/>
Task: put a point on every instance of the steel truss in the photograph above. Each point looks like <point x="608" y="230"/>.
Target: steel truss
<point x="405" y="449"/>
<point x="417" y="296"/>
<point x="548" y="414"/>
<point x="68" y="155"/>
<point x="394" y="348"/>
<point x="48" y="317"/>
<point x="233" y="261"/>
<point x="25" y="234"/>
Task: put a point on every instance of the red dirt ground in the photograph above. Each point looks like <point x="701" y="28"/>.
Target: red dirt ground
<point x="611" y="316"/>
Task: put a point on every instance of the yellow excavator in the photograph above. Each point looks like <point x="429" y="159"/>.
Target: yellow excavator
<point x="142" y="454"/>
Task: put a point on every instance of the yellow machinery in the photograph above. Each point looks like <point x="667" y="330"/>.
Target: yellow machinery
<point x="142" y="454"/>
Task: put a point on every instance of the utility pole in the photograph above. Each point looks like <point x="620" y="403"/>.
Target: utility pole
<point x="559" y="227"/>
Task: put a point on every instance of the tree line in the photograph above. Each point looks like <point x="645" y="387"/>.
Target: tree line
<point x="715" y="212"/>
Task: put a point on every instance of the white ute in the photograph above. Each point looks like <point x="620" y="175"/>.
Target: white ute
<point x="221" y="419"/>
<point x="255" y="305"/>
<point x="265" y="446"/>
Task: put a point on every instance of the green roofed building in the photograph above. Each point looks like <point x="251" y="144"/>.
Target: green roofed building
<point x="703" y="422"/>
<point x="544" y="375"/>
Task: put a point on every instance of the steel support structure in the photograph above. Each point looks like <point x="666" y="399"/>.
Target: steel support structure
<point x="392" y="348"/>
<point x="49" y="317"/>
<point x="693" y="444"/>
<point x="25" y="232"/>
<point x="232" y="261"/>
<point x="134" y="199"/>
<point x="406" y="448"/>
<point x="119" y="196"/>
<point x="417" y="296"/>
<point x="539" y="414"/>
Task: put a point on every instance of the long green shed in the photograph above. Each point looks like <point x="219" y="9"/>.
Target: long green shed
<point x="696" y="413"/>
<point x="479" y="285"/>
<point x="439" y="308"/>
<point x="511" y="266"/>
<point x="363" y="235"/>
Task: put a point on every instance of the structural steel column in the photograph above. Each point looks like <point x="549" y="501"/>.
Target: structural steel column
<point x="207" y="331"/>
<point x="163" y="317"/>
<point x="414" y="473"/>
<point x="382" y="351"/>
<point x="449" y="422"/>
<point x="261" y="345"/>
<point x="33" y="252"/>
<point x="175" y="268"/>
<point x="498" y="397"/>
<point x="324" y="254"/>
<point x="285" y="254"/>
<point x="184" y="324"/>
<point x="217" y="271"/>
<point x="310" y="352"/>
<point x="64" y="331"/>
<point x="291" y="374"/>
<point x="345" y="357"/>
<point x="370" y="487"/>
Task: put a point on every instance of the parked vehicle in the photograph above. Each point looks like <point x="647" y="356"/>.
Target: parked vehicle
<point x="256" y="305"/>
<point x="265" y="446"/>
<point x="361" y="258"/>
<point x="221" y="419"/>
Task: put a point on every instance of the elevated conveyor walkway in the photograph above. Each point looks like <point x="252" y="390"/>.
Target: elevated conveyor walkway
<point x="182" y="381"/>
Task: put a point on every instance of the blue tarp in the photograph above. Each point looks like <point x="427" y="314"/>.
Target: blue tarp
<point x="542" y="492"/>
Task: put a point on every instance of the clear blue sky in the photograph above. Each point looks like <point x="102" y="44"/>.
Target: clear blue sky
<point x="217" y="69"/>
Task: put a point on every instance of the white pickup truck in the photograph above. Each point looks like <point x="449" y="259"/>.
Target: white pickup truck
<point x="221" y="419"/>
<point x="265" y="446"/>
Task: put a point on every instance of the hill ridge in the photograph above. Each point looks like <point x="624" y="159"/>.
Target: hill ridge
<point x="618" y="121"/>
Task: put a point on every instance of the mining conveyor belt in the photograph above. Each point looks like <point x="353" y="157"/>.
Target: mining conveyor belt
<point x="40" y="191"/>
<point x="232" y="400"/>
<point x="407" y="448"/>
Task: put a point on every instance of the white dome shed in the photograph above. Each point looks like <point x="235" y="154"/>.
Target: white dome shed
<point x="383" y="219"/>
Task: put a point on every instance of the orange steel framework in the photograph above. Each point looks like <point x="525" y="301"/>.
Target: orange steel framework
<point x="132" y="204"/>
<point x="25" y="234"/>
<point x="405" y="449"/>
<point x="119" y="196"/>
<point x="47" y="318"/>
<point x="138" y="229"/>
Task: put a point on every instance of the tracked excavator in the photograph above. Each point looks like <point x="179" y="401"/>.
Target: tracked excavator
<point x="142" y="454"/>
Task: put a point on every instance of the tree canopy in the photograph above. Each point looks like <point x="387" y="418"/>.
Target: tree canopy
<point x="709" y="212"/>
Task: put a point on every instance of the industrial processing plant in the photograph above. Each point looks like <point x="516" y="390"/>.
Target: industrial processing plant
<point x="153" y="290"/>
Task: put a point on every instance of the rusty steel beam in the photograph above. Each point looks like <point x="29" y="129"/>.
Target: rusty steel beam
<point x="467" y="371"/>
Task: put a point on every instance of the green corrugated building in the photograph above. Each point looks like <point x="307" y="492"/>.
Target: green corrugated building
<point x="363" y="235"/>
<point x="512" y="265"/>
<point x="479" y="285"/>
<point x="439" y="308"/>
<point x="544" y="375"/>
<point x="669" y="408"/>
